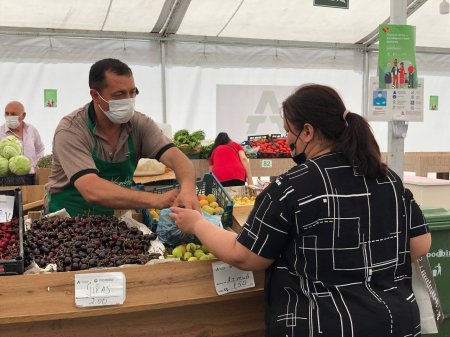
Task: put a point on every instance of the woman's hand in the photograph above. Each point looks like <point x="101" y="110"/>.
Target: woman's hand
<point x="186" y="219"/>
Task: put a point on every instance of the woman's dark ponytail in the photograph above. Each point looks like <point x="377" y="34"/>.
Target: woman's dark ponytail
<point x="359" y="146"/>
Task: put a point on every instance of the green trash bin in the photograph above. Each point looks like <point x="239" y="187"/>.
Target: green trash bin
<point x="438" y="220"/>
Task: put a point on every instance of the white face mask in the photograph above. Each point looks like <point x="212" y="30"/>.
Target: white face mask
<point x="12" y="122"/>
<point x="120" y="110"/>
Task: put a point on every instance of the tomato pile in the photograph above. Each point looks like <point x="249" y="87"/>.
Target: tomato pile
<point x="9" y="239"/>
<point x="282" y="146"/>
<point x="277" y="147"/>
<point x="265" y="146"/>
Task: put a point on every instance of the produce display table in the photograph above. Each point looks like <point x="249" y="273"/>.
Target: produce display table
<point x="170" y="299"/>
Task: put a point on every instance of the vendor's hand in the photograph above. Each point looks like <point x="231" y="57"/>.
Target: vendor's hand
<point x="166" y="199"/>
<point x="185" y="219"/>
<point x="187" y="199"/>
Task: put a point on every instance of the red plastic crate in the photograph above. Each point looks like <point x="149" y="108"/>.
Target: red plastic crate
<point x="15" y="265"/>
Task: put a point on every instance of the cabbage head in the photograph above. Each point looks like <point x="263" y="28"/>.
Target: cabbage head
<point x="9" y="147"/>
<point x="20" y="165"/>
<point x="4" y="169"/>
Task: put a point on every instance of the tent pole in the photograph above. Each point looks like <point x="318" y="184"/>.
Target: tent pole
<point x="365" y="79"/>
<point x="162" y="50"/>
<point x="396" y="144"/>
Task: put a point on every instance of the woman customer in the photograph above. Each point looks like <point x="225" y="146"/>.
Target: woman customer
<point x="229" y="163"/>
<point x="336" y="234"/>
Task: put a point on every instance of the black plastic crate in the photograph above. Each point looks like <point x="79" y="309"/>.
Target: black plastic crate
<point x="209" y="185"/>
<point x="263" y="155"/>
<point x="15" y="266"/>
<point x="258" y="137"/>
<point x="277" y="135"/>
<point x="13" y="180"/>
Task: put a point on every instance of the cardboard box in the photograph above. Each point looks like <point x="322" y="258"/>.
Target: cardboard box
<point x="41" y="175"/>
<point x="30" y="193"/>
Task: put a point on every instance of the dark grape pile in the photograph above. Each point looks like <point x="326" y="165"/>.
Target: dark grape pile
<point x="9" y="239"/>
<point x="85" y="242"/>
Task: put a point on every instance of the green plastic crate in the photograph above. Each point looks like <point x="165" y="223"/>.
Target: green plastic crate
<point x="209" y="185"/>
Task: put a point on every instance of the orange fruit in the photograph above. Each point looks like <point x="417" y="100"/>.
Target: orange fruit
<point x="203" y="202"/>
<point x="201" y="197"/>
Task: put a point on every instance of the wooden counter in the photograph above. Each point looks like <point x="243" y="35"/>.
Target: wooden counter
<point x="421" y="163"/>
<point x="170" y="299"/>
<point x="278" y="166"/>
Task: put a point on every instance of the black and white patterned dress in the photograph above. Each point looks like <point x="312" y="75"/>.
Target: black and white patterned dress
<point x="341" y="247"/>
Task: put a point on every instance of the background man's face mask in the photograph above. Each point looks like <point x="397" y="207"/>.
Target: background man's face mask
<point x="12" y="122"/>
<point x="120" y="110"/>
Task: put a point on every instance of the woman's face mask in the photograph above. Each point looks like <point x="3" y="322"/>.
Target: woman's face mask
<point x="12" y="122"/>
<point x="120" y="110"/>
<point x="298" y="158"/>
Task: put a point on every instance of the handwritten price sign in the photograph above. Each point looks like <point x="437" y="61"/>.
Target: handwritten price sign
<point x="228" y="279"/>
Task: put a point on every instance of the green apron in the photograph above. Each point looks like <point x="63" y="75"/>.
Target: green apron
<point x="120" y="173"/>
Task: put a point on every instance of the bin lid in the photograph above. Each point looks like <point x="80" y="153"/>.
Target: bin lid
<point x="437" y="218"/>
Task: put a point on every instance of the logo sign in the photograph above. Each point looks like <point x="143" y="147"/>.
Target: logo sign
<point x="437" y="270"/>
<point x="243" y="110"/>
<point x="332" y="3"/>
<point x="439" y="253"/>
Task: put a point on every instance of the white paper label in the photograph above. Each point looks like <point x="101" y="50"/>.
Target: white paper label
<point x="228" y="279"/>
<point x="99" y="289"/>
<point x="266" y="163"/>
<point x="6" y="207"/>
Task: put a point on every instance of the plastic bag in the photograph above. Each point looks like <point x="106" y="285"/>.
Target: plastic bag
<point x="251" y="152"/>
<point x="168" y="232"/>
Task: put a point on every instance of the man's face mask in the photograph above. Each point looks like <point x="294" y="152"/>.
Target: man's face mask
<point x="12" y="122"/>
<point x="120" y="110"/>
<point x="298" y="158"/>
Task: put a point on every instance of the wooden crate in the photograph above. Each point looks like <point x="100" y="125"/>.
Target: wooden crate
<point x="41" y="175"/>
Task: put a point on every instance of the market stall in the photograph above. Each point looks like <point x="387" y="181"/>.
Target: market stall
<point x="162" y="300"/>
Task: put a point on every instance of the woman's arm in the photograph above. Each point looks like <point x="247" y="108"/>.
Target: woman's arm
<point x="222" y="243"/>
<point x="246" y="163"/>
<point x="419" y="246"/>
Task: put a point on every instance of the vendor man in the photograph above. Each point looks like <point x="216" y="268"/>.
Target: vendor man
<point x="96" y="149"/>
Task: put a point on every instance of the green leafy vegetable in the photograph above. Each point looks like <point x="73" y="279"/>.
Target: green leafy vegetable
<point x="188" y="143"/>
<point x="45" y="161"/>
<point x="9" y="147"/>
<point x="19" y="165"/>
<point x="4" y="169"/>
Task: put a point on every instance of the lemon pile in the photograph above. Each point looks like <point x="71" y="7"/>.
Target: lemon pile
<point x="209" y="204"/>
<point x="241" y="201"/>
<point x="154" y="212"/>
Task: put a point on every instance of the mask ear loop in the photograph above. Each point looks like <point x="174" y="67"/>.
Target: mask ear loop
<point x="292" y="145"/>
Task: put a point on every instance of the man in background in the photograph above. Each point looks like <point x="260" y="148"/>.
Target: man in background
<point x="32" y="145"/>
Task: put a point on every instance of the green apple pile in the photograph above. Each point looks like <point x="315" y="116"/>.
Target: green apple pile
<point x="191" y="252"/>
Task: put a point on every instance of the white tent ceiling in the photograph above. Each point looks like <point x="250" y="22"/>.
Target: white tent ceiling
<point x="277" y="22"/>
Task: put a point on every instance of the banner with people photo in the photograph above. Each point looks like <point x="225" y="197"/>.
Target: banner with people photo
<point x="397" y="57"/>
